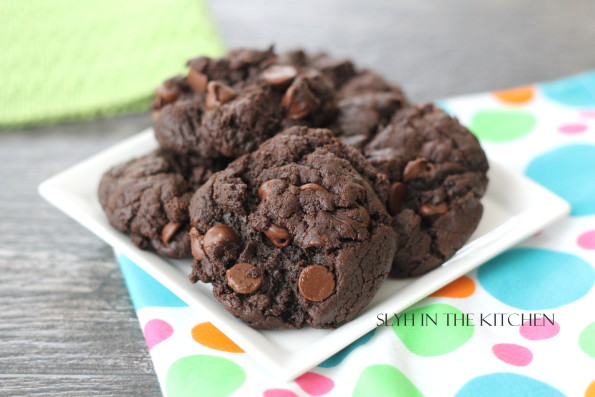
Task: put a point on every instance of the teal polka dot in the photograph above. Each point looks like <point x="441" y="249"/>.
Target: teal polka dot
<point x="203" y="375"/>
<point x="144" y="289"/>
<point x="341" y="355"/>
<point x="505" y="384"/>
<point x="536" y="279"/>
<point x="442" y="104"/>
<point x="577" y="91"/>
<point x="568" y="171"/>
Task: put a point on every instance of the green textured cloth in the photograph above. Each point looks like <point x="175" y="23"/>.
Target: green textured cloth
<point x="71" y="59"/>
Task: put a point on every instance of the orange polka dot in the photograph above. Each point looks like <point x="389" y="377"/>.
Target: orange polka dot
<point x="460" y="288"/>
<point x="590" y="392"/>
<point x="515" y="95"/>
<point x="208" y="335"/>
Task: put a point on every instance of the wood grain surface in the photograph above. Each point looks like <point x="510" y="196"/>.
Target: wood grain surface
<point x="67" y="327"/>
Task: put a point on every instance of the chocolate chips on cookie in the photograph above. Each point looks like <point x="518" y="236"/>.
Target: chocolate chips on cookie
<point x="148" y="198"/>
<point x="293" y="233"/>
<point x="226" y="107"/>
<point x="297" y="182"/>
<point x="437" y="171"/>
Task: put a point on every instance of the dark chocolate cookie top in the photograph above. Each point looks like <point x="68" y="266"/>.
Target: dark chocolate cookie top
<point x="148" y="198"/>
<point x="226" y="107"/>
<point x="293" y="233"/>
<point x="437" y="171"/>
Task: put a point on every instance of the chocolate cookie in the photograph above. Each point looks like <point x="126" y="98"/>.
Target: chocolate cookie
<point x="294" y="233"/>
<point x="226" y="107"/>
<point x="437" y="171"/>
<point x="148" y="198"/>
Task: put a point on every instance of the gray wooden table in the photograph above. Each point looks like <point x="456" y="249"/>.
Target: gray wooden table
<point x="67" y="326"/>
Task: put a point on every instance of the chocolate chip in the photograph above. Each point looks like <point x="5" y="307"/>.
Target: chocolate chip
<point x="313" y="186"/>
<point x="244" y="278"/>
<point x="417" y="168"/>
<point x="299" y="100"/>
<point x="430" y="210"/>
<point x="316" y="283"/>
<point x="279" y="75"/>
<point x="217" y="238"/>
<point x="198" y="81"/>
<point x="364" y="215"/>
<point x="168" y="231"/>
<point x="196" y="245"/>
<point x="279" y="237"/>
<point x="266" y="188"/>
<point x="316" y="241"/>
<point x="218" y="94"/>
<point x="396" y="197"/>
<point x="166" y="93"/>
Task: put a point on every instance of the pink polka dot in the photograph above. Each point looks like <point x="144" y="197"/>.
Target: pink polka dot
<point x="315" y="384"/>
<point x="539" y="330"/>
<point x="587" y="240"/>
<point x="156" y="331"/>
<point x="572" y="128"/>
<point x="588" y="113"/>
<point x="279" y="393"/>
<point x="513" y="354"/>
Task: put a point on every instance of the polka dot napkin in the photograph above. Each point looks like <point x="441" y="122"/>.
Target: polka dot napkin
<point x="533" y="332"/>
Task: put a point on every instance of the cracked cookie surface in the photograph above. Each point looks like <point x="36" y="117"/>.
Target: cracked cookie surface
<point x="148" y="199"/>
<point x="437" y="171"/>
<point x="294" y="233"/>
<point x="226" y="107"/>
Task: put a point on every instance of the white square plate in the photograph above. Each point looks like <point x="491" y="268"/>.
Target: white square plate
<point x="514" y="209"/>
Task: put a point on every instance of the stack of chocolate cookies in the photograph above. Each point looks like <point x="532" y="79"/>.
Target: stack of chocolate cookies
<point x="298" y="183"/>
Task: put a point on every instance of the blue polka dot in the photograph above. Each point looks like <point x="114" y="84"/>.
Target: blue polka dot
<point x="442" y="104"/>
<point x="536" y="279"/>
<point x="507" y="384"/>
<point x="341" y="355"/>
<point x="576" y="91"/>
<point x="568" y="171"/>
<point x="144" y="289"/>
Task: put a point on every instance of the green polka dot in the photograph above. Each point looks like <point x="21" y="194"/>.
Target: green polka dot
<point x="587" y="340"/>
<point x="428" y="339"/>
<point x="207" y="375"/>
<point x="502" y="125"/>
<point x="384" y="381"/>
